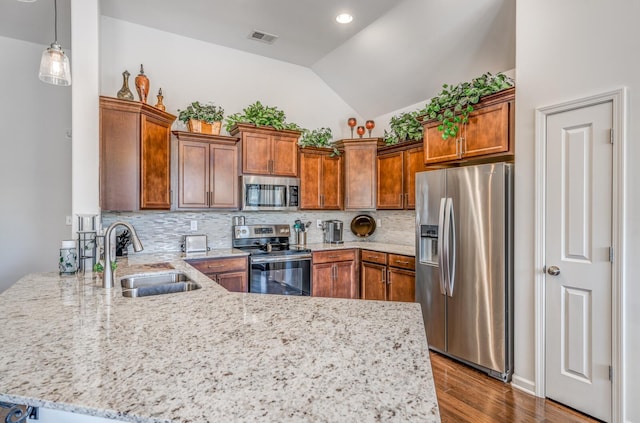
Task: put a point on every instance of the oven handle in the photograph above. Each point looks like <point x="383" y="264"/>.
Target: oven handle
<point x="281" y="259"/>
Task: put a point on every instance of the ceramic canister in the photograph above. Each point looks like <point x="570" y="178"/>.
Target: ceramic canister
<point x="68" y="263"/>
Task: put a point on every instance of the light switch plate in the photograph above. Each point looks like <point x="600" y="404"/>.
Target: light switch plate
<point x="194" y="225"/>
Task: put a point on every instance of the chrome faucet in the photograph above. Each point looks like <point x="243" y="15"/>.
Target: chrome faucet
<point x="108" y="277"/>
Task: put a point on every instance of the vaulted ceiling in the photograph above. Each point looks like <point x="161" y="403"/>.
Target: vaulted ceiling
<point x="393" y="54"/>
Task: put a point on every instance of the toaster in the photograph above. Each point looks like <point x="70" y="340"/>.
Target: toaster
<point x="195" y="244"/>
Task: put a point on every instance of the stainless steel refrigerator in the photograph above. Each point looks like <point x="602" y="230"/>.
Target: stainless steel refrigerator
<point x="464" y="271"/>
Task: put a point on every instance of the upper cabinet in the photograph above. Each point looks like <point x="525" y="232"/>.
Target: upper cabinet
<point x="360" y="172"/>
<point x="208" y="169"/>
<point x="489" y="134"/>
<point x="135" y="153"/>
<point x="396" y="170"/>
<point x="320" y="179"/>
<point x="267" y="151"/>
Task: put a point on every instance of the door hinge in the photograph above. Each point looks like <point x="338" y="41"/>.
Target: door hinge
<point x="611" y="373"/>
<point x="611" y="135"/>
<point x="611" y="254"/>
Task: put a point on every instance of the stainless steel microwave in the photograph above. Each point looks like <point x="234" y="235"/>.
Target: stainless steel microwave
<point x="269" y="193"/>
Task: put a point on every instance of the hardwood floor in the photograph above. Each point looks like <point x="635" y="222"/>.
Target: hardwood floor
<point x="467" y="395"/>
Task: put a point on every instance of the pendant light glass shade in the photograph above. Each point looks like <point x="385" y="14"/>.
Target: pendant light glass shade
<point x="54" y="65"/>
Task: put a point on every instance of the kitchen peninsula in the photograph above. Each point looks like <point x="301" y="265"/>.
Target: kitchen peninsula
<point x="209" y="354"/>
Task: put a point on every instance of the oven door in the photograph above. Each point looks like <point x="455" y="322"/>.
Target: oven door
<point x="283" y="275"/>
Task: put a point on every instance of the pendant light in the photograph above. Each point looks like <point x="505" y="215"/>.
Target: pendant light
<point x="54" y="65"/>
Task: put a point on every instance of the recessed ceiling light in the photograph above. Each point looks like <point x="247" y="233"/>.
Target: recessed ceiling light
<point x="27" y="1"/>
<point x="344" y="18"/>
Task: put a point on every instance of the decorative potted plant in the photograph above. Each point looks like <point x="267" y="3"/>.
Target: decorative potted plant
<point x="454" y="104"/>
<point x="404" y="127"/>
<point x="260" y="115"/>
<point x="204" y="118"/>
<point x="320" y="137"/>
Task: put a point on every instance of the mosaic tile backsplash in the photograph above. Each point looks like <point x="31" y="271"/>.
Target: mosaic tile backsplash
<point x="164" y="231"/>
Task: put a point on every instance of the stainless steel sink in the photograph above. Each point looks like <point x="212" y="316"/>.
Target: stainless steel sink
<point x="157" y="284"/>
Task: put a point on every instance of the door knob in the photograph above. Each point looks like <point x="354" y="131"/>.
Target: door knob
<point x="553" y="270"/>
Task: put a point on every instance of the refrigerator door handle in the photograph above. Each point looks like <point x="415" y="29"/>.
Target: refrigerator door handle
<point x="442" y="254"/>
<point x="450" y="225"/>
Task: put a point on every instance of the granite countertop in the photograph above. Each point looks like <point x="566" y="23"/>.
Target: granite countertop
<point x="209" y="354"/>
<point x="367" y="245"/>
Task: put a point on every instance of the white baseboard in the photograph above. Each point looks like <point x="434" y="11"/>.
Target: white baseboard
<point x="524" y="385"/>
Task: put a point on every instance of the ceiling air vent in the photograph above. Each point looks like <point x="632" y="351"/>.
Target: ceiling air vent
<point x="263" y="37"/>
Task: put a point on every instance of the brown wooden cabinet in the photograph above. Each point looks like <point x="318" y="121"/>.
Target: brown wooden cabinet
<point x="335" y="274"/>
<point x="135" y="156"/>
<point x="360" y="172"/>
<point x="208" y="168"/>
<point x="387" y="277"/>
<point x="267" y="151"/>
<point x="230" y="273"/>
<point x="320" y="179"/>
<point x="489" y="134"/>
<point x="396" y="170"/>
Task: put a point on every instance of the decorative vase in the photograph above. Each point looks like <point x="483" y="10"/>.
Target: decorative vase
<point x="125" y="93"/>
<point x="160" y="105"/>
<point x="142" y="85"/>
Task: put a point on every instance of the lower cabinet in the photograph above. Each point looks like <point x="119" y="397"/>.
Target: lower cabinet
<point x="230" y="273"/>
<point x="335" y="274"/>
<point x="387" y="277"/>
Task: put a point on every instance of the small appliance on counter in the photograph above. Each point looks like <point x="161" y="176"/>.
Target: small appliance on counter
<point x="332" y="231"/>
<point x="195" y="244"/>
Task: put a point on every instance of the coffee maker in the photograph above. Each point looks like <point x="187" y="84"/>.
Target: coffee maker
<point x="332" y="231"/>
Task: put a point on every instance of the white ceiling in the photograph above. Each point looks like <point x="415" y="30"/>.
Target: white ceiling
<point x="393" y="54"/>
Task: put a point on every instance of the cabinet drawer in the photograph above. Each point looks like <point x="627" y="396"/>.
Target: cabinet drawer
<point x="374" y="257"/>
<point x="402" y="262"/>
<point x="212" y="266"/>
<point x="333" y="256"/>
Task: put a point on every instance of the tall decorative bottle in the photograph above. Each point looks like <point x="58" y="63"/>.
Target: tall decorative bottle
<point x="125" y="93"/>
<point x="142" y="85"/>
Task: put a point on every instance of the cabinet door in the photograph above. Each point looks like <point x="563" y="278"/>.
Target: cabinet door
<point x="284" y="156"/>
<point x="345" y="283"/>
<point x="256" y="153"/>
<point x="155" y="156"/>
<point x="437" y="150"/>
<point x="332" y="195"/>
<point x="193" y="174"/>
<point x="389" y="181"/>
<point x="374" y="283"/>
<point x="360" y="177"/>
<point x="413" y="163"/>
<point x="235" y="281"/>
<point x="323" y="275"/>
<point x="487" y="131"/>
<point x="119" y="164"/>
<point x="310" y="180"/>
<point x="401" y="285"/>
<point x="224" y="177"/>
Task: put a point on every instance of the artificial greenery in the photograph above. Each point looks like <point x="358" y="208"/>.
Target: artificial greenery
<point x="320" y="137"/>
<point x="261" y="115"/>
<point x="403" y="127"/>
<point x="206" y="112"/>
<point x="454" y="104"/>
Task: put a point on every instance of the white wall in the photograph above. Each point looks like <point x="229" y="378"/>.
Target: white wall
<point x="35" y="164"/>
<point x="187" y="70"/>
<point x="567" y="50"/>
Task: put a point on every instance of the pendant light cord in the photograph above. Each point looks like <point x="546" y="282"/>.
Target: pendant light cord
<point x="55" y="24"/>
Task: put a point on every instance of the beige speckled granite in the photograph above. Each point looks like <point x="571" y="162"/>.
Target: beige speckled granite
<point x="211" y="355"/>
<point x="407" y="250"/>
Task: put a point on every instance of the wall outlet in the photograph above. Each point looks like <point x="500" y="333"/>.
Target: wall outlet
<point x="67" y="220"/>
<point x="319" y="224"/>
<point x="194" y="225"/>
<point x="379" y="223"/>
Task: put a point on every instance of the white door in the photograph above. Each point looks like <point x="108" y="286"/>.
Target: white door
<point x="577" y="246"/>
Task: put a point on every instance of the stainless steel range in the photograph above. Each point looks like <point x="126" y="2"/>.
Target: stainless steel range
<point x="275" y="266"/>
